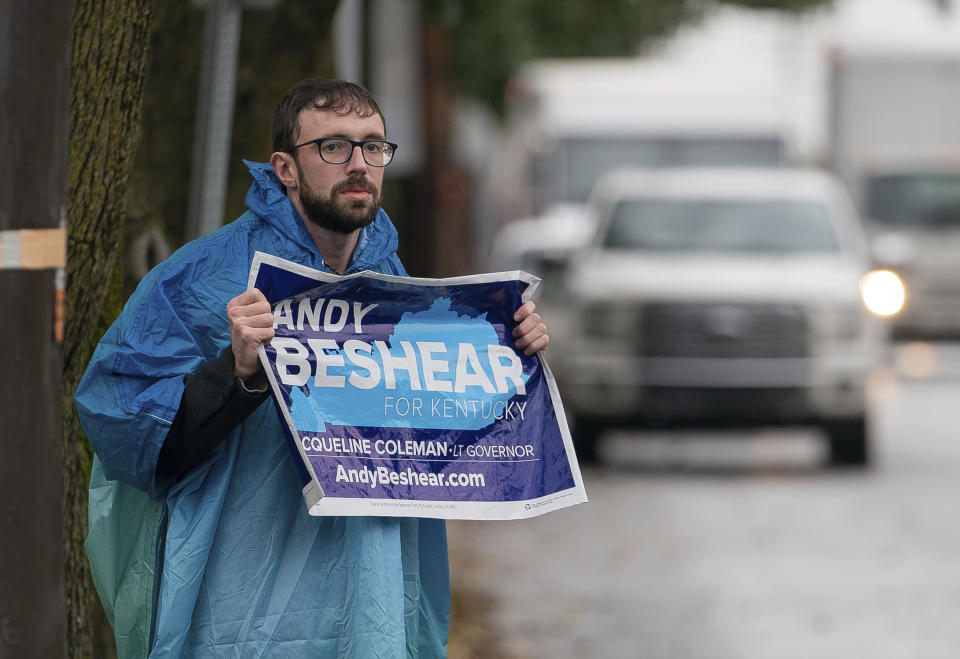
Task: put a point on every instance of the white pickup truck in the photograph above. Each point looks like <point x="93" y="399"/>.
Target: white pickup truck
<point x="723" y="296"/>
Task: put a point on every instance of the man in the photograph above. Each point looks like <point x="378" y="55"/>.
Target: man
<point x="222" y="559"/>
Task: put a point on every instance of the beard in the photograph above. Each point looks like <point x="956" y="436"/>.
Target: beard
<point x="340" y="215"/>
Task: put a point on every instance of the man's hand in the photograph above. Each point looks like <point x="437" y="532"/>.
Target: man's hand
<point x="251" y="323"/>
<point x="530" y="333"/>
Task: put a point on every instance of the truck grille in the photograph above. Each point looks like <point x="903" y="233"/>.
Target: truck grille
<point x="715" y="330"/>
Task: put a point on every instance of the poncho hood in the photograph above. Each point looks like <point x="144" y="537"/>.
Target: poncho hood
<point x="268" y="198"/>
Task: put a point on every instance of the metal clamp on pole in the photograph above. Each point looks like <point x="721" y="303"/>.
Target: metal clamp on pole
<point x="39" y="249"/>
<point x="33" y="249"/>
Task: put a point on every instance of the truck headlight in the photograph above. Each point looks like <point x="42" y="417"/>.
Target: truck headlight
<point x="882" y="291"/>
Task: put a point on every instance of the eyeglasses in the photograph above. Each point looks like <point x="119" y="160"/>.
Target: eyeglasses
<point x="338" y="150"/>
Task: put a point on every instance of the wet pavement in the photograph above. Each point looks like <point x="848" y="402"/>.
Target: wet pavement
<point x="740" y="546"/>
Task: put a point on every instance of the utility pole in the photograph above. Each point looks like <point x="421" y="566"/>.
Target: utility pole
<point x="348" y="40"/>
<point x="34" y="100"/>
<point x="214" y="124"/>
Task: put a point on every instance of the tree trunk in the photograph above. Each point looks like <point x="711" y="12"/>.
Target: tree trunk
<point x="110" y="44"/>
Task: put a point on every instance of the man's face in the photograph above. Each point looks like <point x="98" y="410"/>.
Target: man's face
<point x="345" y="197"/>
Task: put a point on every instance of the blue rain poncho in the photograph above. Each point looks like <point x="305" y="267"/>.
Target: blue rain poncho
<point x="226" y="562"/>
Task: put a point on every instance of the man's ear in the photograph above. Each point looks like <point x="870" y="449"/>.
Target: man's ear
<point x="285" y="167"/>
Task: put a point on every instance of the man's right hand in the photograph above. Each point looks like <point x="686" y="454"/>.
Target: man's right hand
<point x="251" y="324"/>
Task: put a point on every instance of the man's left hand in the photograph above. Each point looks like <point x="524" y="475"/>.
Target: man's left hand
<point x="530" y="334"/>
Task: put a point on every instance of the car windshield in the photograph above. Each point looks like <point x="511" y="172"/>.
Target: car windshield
<point x="930" y="199"/>
<point x="721" y="225"/>
<point x="574" y="165"/>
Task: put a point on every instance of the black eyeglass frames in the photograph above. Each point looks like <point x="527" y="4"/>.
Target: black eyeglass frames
<point x="338" y="150"/>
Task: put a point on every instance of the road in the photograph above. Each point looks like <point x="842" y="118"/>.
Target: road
<point x="741" y="546"/>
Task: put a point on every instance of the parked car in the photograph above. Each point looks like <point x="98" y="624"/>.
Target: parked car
<point x="723" y="296"/>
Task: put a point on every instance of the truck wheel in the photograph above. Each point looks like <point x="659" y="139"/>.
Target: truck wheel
<point x="586" y="434"/>
<point x="848" y="442"/>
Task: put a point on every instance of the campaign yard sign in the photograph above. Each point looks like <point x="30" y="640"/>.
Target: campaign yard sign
<point x="406" y="397"/>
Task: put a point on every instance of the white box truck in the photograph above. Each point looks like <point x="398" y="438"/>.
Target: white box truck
<point x="894" y="139"/>
<point x="570" y="121"/>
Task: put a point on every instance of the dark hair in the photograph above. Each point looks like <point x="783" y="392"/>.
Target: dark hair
<point x="339" y="96"/>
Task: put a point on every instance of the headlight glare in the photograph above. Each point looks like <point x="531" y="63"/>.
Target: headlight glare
<point x="883" y="293"/>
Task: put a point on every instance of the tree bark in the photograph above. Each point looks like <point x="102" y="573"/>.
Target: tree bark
<point x="110" y="47"/>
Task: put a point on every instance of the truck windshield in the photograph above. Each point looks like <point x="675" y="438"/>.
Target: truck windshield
<point x="721" y="225"/>
<point x="926" y="199"/>
<point x="576" y="163"/>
